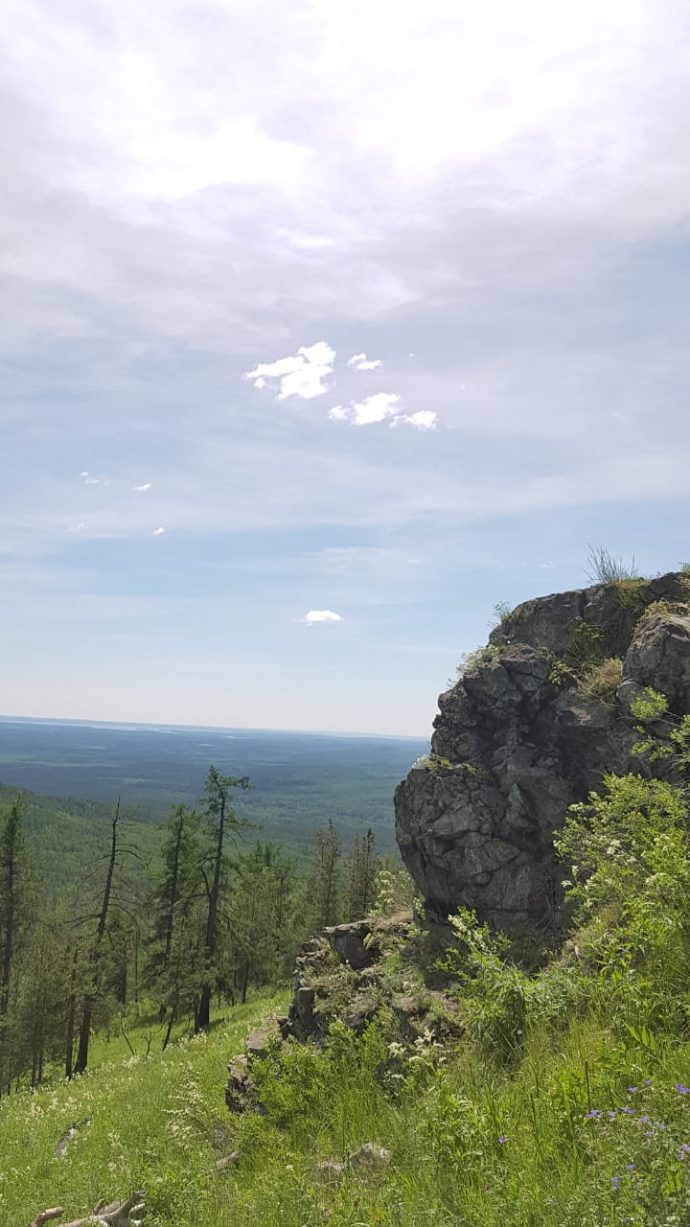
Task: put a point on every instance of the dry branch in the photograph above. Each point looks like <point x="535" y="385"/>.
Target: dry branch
<point x="127" y="1213"/>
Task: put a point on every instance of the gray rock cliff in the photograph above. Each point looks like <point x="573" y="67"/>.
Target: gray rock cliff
<point x="532" y="724"/>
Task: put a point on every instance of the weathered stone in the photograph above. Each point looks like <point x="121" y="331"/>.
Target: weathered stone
<point x="329" y="1171"/>
<point x="516" y="742"/>
<point x="238" y="1089"/>
<point x="261" y="1041"/>
<point x="302" y="1015"/>
<point x="228" y="1161"/>
<point x="353" y="944"/>
<point x="659" y="657"/>
<point x="370" y="1160"/>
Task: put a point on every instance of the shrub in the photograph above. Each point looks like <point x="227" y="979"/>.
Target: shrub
<point x="471" y="661"/>
<point x="605" y="568"/>
<point x="601" y="681"/>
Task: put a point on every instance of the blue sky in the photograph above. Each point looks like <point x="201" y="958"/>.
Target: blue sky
<point x="325" y="328"/>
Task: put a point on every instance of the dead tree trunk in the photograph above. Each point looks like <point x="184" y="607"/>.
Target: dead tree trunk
<point x="96" y="953"/>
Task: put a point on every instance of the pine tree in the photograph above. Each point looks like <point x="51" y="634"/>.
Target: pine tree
<point x="325" y="878"/>
<point x="361" y="870"/>
<point x="222" y="820"/>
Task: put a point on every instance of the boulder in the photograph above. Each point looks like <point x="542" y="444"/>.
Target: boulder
<point x="370" y="1161"/>
<point x="520" y="737"/>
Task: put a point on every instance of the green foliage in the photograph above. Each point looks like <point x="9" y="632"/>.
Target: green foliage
<point x="394" y="891"/>
<point x="560" y="673"/>
<point x="606" y="568"/>
<point x="587" y="647"/>
<point x="477" y="659"/>
<point x="502" y="611"/>
<point x="649" y="705"/>
<point x="432" y="762"/>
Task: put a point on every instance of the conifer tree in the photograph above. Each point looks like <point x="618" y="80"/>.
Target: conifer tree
<point x="361" y="870"/>
<point x="222" y="822"/>
<point x="325" y="883"/>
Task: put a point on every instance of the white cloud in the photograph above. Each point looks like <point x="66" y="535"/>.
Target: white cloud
<point x="361" y="363"/>
<point x="423" y="419"/>
<point x="88" y="478"/>
<point x="302" y="375"/>
<point x="158" y="532"/>
<point x="381" y="407"/>
<point x="313" y="616"/>
<point x="374" y="408"/>
<point x="144" y="488"/>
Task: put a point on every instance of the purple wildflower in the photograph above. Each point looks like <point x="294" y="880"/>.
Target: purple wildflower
<point x="647" y="1082"/>
<point x="615" y="1182"/>
<point x="644" y="1120"/>
<point x="628" y="1111"/>
<point x="682" y="1089"/>
<point x="593" y="1113"/>
<point x="631" y="1167"/>
<point x="633" y="1090"/>
<point x="612" y="1115"/>
<point x="503" y="1139"/>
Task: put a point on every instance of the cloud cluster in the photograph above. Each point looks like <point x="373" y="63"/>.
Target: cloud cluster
<point x="381" y="407"/>
<point x="360" y="362"/>
<point x="314" y="616"/>
<point x="303" y="375"/>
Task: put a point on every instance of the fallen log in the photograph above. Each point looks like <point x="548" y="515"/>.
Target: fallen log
<point x="127" y="1213"/>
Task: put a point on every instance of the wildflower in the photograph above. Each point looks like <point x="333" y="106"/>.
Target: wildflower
<point x="633" y="1090"/>
<point x="615" y="1182"/>
<point x="683" y="1151"/>
<point x="682" y="1089"/>
<point x="593" y="1113"/>
<point x="628" y="1111"/>
<point x="503" y="1139"/>
<point x="644" y="1120"/>
<point x="631" y="1167"/>
<point x="612" y="1115"/>
<point x="647" y="1082"/>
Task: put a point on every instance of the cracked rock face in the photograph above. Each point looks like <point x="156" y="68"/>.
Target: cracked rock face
<point x="521" y="736"/>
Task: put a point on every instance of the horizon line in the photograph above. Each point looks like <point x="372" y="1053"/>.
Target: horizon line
<point x="86" y="722"/>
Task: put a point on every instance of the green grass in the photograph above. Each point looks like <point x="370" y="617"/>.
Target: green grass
<point x="160" y="1123"/>
<point x="157" y="1123"/>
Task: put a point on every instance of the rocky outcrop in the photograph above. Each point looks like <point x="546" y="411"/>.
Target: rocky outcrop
<point x="530" y="727"/>
<point x="345" y="974"/>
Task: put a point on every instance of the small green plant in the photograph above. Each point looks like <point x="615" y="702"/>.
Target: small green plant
<point x="470" y="662"/>
<point x="502" y="612"/>
<point x="586" y="646"/>
<point x="605" y="568"/>
<point x="560" y="673"/>
<point x="650" y="707"/>
<point x="431" y="762"/>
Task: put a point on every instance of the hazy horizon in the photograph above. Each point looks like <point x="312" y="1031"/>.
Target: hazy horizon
<point x="87" y="722"/>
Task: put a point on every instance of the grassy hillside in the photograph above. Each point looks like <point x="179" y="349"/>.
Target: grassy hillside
<point x="584" y="1129"/>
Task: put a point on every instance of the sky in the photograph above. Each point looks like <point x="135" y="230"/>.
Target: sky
<point x="325" y="328"/>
